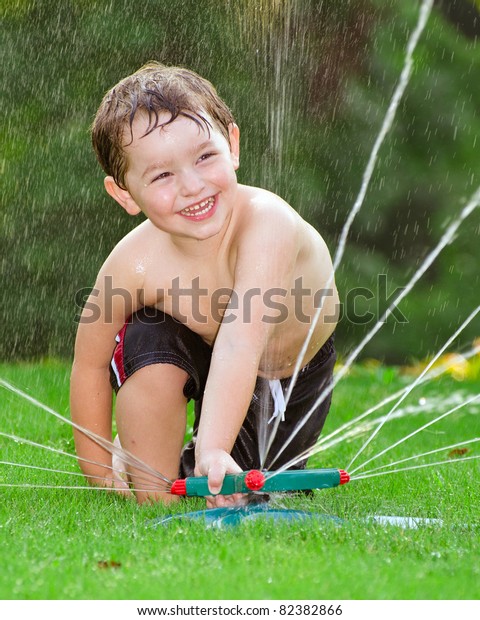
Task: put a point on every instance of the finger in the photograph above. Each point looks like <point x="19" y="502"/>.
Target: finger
<point x="124" y="493"/>
<point x="113" y="488"/>
<point x="237" y="499"/>
<point x="232" y="467"/>
<point x="228" y="501"/>
<point x="216" y="474"/>
<point x="120" y="483"/>
<point x="220" y="501"/>
<point x="123" y="489"/>
<point x="217" y="501"/>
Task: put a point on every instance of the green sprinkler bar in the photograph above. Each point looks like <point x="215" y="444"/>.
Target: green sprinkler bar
<point x="268" y="482"/>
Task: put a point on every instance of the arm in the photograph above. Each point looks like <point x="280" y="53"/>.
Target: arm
<point x="265" y="260"/>
<point x="90" y="390"/>
<point x="228" y="393"/>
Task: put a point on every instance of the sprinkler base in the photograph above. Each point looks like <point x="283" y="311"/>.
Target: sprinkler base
<point x="220" y="518"/>
<point x="224" y="518"/>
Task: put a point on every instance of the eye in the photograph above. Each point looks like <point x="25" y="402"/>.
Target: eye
<point x="206" y="156"/>
<point x="160" y="177"/>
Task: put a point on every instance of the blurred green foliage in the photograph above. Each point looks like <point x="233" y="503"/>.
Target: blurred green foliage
<point x="309" y="84"/>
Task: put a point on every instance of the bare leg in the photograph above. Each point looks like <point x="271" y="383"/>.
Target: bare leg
<point x="151" y="419"/>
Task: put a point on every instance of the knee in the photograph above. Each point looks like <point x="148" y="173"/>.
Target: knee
<point x="165" y="377"/>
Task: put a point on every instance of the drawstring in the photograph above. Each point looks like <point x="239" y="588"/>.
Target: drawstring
<point x="278" y="399"/>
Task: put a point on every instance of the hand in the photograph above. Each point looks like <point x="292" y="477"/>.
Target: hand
<point x="119" y="474"/>
<point x="111" y="475"/>
<point x="118" y="485"/>
<point x="112" y="480"/>
<point x="215" y="464"/>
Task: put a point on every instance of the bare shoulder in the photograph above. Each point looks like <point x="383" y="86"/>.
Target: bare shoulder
<point x="262" y="205"/>
<point x="270" y="220"/>
<point x="266" y="215"/>
<point x="130" y="258"/>
<point x="268" y="239"/>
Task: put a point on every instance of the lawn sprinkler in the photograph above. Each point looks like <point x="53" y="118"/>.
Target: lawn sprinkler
<point x="256" y="483"/>
<point x="264" y="482"/>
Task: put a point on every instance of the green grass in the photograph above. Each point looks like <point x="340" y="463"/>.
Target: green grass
<point x="65" y="544"/>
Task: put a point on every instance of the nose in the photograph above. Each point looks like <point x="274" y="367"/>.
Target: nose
<point x="192" y="183"/>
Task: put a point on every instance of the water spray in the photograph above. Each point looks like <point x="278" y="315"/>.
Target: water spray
<point x="255" y="480"/>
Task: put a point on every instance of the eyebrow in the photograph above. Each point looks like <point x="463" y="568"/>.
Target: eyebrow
<point x="166" y="163"/>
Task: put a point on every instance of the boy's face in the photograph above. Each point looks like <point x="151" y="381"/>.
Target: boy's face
<point x="181" y="177"/>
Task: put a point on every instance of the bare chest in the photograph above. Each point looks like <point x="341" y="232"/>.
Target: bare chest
<point x="197" y="298"/>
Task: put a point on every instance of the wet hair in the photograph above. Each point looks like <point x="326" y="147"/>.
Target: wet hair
<point x="153" y="89"/>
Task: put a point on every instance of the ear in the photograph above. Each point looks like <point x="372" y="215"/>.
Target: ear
<point x="234" y="136"/>
<point x="122" y="196"/>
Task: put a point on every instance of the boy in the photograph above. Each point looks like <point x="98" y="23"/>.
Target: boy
<point x="210" y="298"/>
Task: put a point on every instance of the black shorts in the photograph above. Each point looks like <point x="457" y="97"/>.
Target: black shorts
<point x="152" y="337"/>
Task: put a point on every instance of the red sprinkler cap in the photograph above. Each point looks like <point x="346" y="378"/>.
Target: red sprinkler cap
<point x="254" y="480"/>
<point x="179" y="487"/>
<point x="344" y="476"/>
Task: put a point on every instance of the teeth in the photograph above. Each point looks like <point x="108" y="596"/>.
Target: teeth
<point x="200" y="208"/>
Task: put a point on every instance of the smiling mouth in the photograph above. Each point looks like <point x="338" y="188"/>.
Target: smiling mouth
<point x="202" y="208"/>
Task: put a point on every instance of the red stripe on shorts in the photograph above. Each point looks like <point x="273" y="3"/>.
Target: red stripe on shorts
<point x="118" y="355"/>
